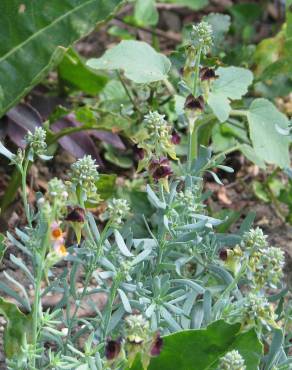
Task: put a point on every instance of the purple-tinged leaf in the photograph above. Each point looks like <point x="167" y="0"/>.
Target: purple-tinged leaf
<point x="108" y="137"/>
<point x="78" y="143"/>
<point x="21" y="119"/>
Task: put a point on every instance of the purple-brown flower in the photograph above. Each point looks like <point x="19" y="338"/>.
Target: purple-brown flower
<point x="160" y="168"/>
<point x="175" y="138"/>
<point x="223" y="254"/>
<point x="76" y="214"/>
<point x="113" y="348"/>
<point x="193" y="103"/>
<point x="207" y="74"/>
<point x="156" y="346"/>
<point x="139" y="153"/>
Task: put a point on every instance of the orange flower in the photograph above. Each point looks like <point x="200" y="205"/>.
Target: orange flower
<point x="56" y="232"/>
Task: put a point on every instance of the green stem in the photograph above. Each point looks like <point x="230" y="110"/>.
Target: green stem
<point x="128" y="92"/>
<point x="24" y="192"/>
<point x="238" y="113"/>
<point x="197" y="73"/>
<point x="37" y="297"/>
<point x="109" y="306"/>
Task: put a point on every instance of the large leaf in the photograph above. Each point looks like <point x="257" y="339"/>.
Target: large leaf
<point x="34" y="37"/>
<point x="146" y="13"/>
<point x="268" y="143"/>
<point x="138" y="60"/>
<point x="232" y="84"/>
<point x="201" y="349"/>
<point x="17" y="327"/>
<point x="74" y="72"/>
<point x="193" y="4"/>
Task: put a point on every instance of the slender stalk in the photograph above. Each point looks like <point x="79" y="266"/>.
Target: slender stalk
<point x="238" y="113"/>
<point x="109" y="306"/>
<point x="133" y="101"/>
<point x="37" y="298"/>
<point x="24" y="192"/>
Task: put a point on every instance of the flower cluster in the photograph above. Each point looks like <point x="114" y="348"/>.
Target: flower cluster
<point x="118" y="209"/>
<point x="266" y="266"/>
<point x="232" y="360"/>
<point x="254" y="239"/>
<point x="37" y="140"/>
<point x="58" y="195"/>
<point x="84" y="174"/>
<point x="138" y="339"/>
<point x="201" y="36"/>
<point x="256" y="311"/>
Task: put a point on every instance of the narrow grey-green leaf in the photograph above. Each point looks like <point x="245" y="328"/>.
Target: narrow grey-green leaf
<point x="122" y="245"/>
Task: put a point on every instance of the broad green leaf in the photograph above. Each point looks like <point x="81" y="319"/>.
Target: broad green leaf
<point x="73" y="71"/>
<point x="250" y="154"/>
<point x="260" y="191"/>
<point x="232" y="84"/>
<point x="138" y="60"/>
<point x="220" y="25"/>
<point x="145" y="13"/>
<point x="34" y="38"/>
<point x="106" y="185"/>
<point x="118" y="159"/>
<point x="17" y="327"/>
<point x="192" y="4"/>
<point x="267" y="142"/>
<point x="202" y="349"/>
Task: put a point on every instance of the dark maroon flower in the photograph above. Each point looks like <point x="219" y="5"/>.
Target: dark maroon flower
<point x="207" y="74"/>
<point x="175" y="138"/>
<point x="194" y="103"/>
<point x="76" y="214"/>
<point x="112" y="348"/>
<point x="160" y="168"/>
<point x="156" y="346"/>
<point x="139" y="153"/>
<point x="223" y="254"/>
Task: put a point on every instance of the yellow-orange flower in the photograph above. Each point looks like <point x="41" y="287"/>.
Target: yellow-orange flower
<point x="61" y="250"/>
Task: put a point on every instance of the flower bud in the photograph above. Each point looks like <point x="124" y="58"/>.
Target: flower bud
<point x="201" y="37"/>
<point x="37" y="140"/>
<point x="156" y="346"/>
<point x="113" y="349"/>
<point x="118" y="209"/>
<point x="254" y="238"/>
<point x="232" y="361"/>
<point x="84" y="173"/>
<point x="160" y="168"/>
<point x="175" y="138"/>
<point x="207" y="74"/>
<point x="76" y="214"/>
<point x="196" y="104"/>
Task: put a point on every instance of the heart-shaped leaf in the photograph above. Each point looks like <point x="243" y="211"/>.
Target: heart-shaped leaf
<point x="138" y="60"/>
<point x="232" y="84"/>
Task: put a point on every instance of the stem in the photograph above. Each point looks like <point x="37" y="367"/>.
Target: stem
<point x="24" y="193"/>
<point x="238" y="113"/>
<point x="77" y="306"/>
<point x="128" y="92"/>
<point x="35" y="314"/>
<point x="37" y="297"/>
<point x="109" y="306"/>
<point x="197" y="72"/>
